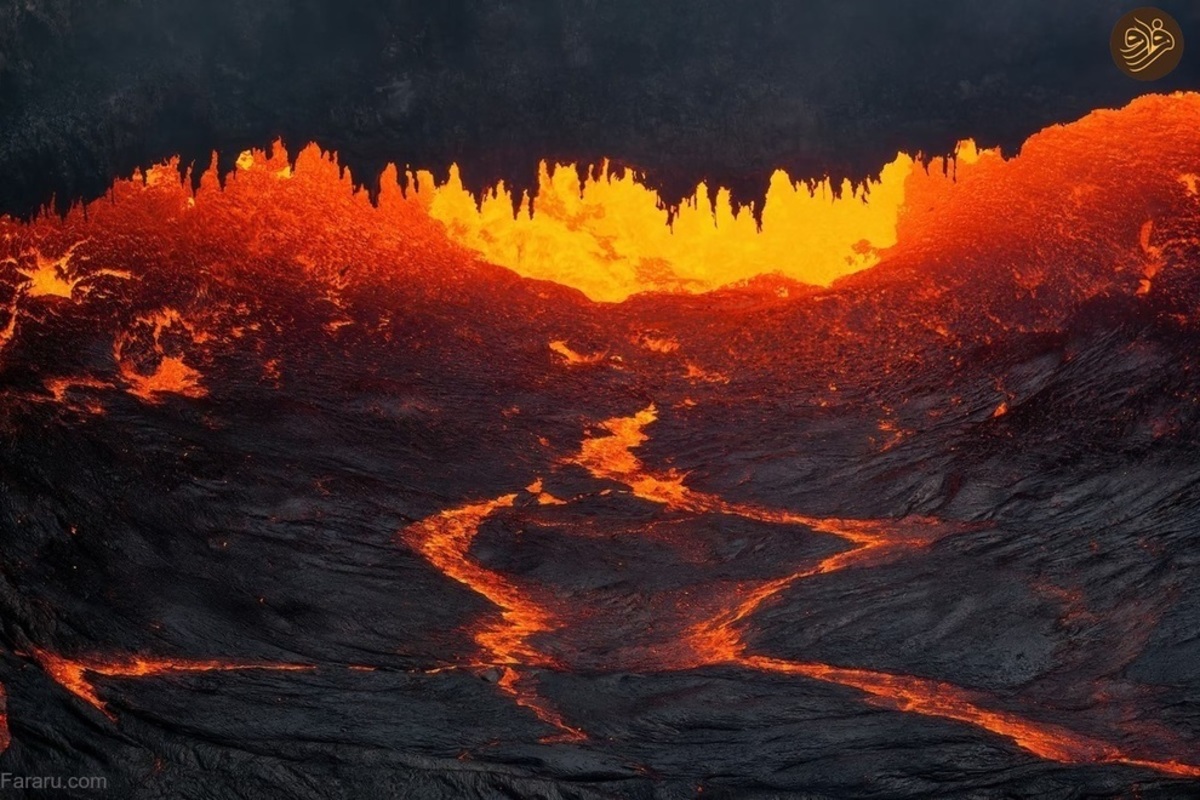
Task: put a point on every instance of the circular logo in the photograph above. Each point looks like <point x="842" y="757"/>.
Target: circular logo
<point x="1146" y="44"/>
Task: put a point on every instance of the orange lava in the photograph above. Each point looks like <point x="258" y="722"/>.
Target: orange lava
<point x="572" y="358"/>
<point x="610" y="457"/>
<point x="608" y="236"/>
<point x="168" y="373"/>
<point x="543" y="497"/>
<point x="445" y="541"/>
<point x="54" y="277"/>
<point x="513" y="683"/>
<point x="937" y="699"/>
<point x="77" y="676"/>
<point x="1098" y="182"/>
<point x="719" y="640"/>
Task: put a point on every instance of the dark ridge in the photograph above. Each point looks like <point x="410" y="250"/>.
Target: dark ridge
<point x="681" y="91"/>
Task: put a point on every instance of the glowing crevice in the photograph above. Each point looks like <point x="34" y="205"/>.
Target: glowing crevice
<point x="938" y="699"/>
<point x="445" y="541"/>
<point x="77" y="676"/>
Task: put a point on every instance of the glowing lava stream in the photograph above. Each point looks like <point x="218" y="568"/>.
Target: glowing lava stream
<point x="445" y="541"/>
<point x="937" y="699"/>
<point x="72" y="675"/>
<point x="717" y="640"/>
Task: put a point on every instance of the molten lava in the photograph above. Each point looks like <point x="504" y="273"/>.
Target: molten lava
<point x="168" y="373"/>
<point x="445" y="541"/>
<point x="609" y="235"/>
<point x="937" y="699"/>
<point x="77" y="676"/>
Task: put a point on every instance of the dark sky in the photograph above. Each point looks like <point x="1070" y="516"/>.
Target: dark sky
<point x="682" y="89"/>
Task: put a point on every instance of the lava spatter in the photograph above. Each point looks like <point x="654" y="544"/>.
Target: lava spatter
<point x="149" y="366"/>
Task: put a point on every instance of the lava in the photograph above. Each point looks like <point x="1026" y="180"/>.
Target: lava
<point x="609" y="234"/>
<point x="514" y="683"/>
<point x="76" y="676"/>
<point x="445" y="541"/>
<point x="62" y="390"/>
<point x="611" y="457"/>
<point x="1098" y="181"/>
<point x="299" y="231"/>
<point x="10" y="325"/>
<point x="537" y="489"/>
<point x="718" y="640"/>
<point x="53" y="277"/>
<point x="572" y="358"/>
<point x="169" y="374"/>
<point x="937" y="699"/>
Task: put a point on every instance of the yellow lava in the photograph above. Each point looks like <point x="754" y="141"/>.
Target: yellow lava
<point x="610" y="239"/>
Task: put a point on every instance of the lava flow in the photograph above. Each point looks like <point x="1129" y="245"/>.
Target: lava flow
<point x="170" y="374"/>
<point x="718" y="640"/>
<point x="445" y="539"/>
<point x="76" y="675"/>
<point x="937" y="699"/>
